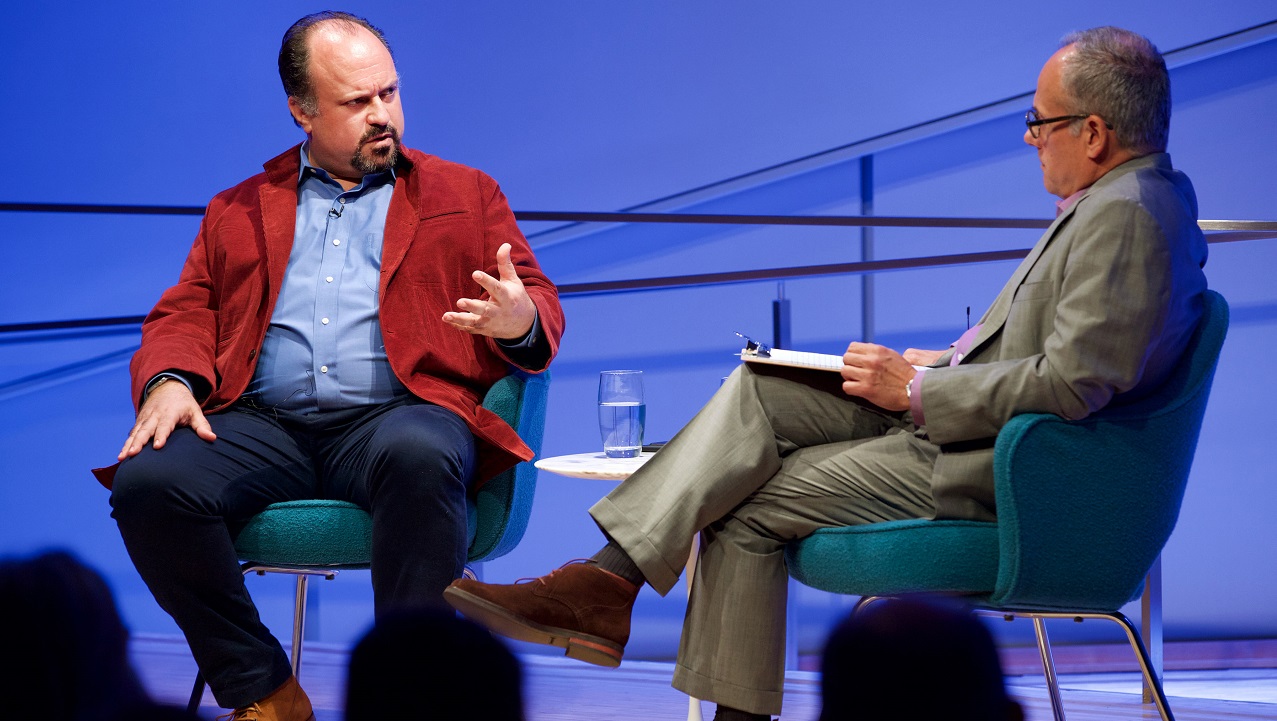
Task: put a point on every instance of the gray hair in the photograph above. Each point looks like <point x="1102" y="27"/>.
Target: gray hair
<point x="1121" y="77"/>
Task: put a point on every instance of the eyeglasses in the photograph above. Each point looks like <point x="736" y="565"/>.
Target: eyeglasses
<point x="1032" y="121"/>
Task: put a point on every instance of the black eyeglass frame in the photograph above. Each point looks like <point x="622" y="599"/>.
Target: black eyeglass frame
<point x="1032" y="121"/>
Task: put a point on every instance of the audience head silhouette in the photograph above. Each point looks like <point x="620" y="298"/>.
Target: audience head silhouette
<point x="904" y="659"/>
<point x="427" y="663"/>
<point x="68" y="647"/>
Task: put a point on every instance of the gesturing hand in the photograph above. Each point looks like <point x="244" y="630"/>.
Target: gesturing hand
<point x="508" y="312"/>
<point x="877" y="374"/>
<point x="170" y="405"/>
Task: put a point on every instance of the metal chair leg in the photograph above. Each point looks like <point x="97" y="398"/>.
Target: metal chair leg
<point x="299" y="624"/>
<point x="299" y="619"/>
<point x="1151" y="623"/>
<point x="1151" y="678"/>
<point x="197" y="694"/>
<point x="1147" y="667"/>
<point x="1149" y="664"/>
<point x="864" y="602"/>
<point x="1048" y="668"/>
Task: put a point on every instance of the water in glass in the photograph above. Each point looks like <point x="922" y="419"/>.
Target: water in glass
<point x="622" y="413"/>
<point x="622" y="427"/>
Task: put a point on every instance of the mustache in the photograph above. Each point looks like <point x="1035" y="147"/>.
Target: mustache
<point x="377" y="130"/>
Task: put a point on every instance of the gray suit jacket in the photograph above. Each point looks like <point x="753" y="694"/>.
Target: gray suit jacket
<point x="1098" y="312"/>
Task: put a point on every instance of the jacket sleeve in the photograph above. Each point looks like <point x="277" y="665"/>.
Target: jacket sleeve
<point x="179" y="334"/>
<point x="499" y="227"/>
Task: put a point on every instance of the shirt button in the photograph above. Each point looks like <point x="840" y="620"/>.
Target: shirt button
<point x="324" y="321"/>
<point x="329" y="279"/>
<point x="323" y="369"/>
<point x="959" y="356"/>
<point x="336" y="242"/>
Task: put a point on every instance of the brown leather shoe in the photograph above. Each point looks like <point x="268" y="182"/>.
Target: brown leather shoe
<point x="579" y="607"/>
<point x="286" y="703"/>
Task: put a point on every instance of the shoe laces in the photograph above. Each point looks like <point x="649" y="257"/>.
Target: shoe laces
<point x="248" y="713"/>
<point x="560" y="568"/>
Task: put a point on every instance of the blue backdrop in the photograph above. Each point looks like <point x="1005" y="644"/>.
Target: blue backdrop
<point x="579" y="105"/>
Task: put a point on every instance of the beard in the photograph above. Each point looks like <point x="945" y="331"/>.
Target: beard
<point x="377" y="160"/>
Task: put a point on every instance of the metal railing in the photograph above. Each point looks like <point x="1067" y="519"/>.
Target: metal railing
<point x="1217" y="231"/>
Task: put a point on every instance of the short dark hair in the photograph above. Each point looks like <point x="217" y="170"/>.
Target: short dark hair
<point x="1121" y="77"/>
<point x="913" y="658"/>
<point x="64" y="627"/>
<point x="395" y="669"/>
<point x="294" y="55"/>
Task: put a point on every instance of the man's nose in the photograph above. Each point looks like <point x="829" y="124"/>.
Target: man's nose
<point x="378" y="113"/>
<point x="1028" y="138"/>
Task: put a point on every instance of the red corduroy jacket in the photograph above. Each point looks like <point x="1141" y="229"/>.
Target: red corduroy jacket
<point x="445" y="221"/>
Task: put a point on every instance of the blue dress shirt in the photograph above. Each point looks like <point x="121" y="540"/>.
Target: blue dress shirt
<point x="323" y="349"/>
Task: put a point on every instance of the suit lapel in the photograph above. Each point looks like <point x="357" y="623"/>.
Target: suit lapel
<point x="279" y="219"/>
<point x="278" y="199"/>
<point x="996" y="316"/>
<point x="401" y="227"/>
<point x="401" y="218"/>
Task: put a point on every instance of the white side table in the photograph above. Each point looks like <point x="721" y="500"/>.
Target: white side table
<point x="598" y="467"/>
<point x="594" y="466"/>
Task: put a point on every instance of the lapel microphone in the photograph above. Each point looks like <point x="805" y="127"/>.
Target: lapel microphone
<point x="336" y="212"/>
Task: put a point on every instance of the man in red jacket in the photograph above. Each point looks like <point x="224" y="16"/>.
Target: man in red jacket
<point x="330" y="336"/>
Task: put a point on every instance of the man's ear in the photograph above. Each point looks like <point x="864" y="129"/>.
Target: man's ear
<point x="1100" y="140"/>
<point x="299" y="116"/>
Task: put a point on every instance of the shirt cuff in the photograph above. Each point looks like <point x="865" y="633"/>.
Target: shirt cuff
<point x="915" y="399"/>
<point x="146" y="392"/>
<point x="529" y="339"/>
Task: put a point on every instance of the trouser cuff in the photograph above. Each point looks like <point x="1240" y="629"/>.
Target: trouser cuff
<point x="660" y="574"/>
<point x="249" y="691"/>
<point x="723" y="692"/>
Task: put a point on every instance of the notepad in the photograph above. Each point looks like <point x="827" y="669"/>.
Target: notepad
<point x="794" y="358"/>
<point x="755" y="352"/>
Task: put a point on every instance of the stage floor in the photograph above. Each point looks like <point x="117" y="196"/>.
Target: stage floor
<point x="558" y="689"/>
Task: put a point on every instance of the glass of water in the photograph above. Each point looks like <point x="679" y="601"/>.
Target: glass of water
<point x="622" y="413"/>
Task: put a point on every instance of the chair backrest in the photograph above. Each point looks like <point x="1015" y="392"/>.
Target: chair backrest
<point x="499" y="512"/>
<point x="1085" y="507"/>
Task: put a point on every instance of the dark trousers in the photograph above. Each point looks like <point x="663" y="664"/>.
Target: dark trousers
<point x="179" y="509"/>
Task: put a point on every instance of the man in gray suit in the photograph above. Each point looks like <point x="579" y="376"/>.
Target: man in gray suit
<point x="1098" y="313"/>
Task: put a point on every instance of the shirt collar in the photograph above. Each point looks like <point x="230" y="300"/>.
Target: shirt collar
<point x="307" y="168"/>
<point x="1065" y="204"/>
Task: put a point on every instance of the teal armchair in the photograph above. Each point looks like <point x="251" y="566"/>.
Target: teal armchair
<point x="321" y="538"/>
<point x="1084" y="509"/>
